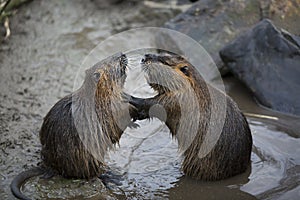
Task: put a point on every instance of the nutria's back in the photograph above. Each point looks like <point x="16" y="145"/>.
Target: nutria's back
<point x="62" y="149"/>
<point x="231" y="152"/>
<point x="211" y="130"/>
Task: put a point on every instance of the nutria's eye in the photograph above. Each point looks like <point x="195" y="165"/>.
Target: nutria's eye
<point x="185" y="70"/>
<point x="96" y="76"/>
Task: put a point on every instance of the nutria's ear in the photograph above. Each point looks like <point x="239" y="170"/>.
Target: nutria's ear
<point x="96" y="76"/>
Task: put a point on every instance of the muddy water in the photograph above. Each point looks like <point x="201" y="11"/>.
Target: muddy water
<point x="38" y="66"/>
<point x="274" y="173"/>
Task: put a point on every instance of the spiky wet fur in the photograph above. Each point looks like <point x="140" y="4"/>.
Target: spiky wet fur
<point x="186" y="99"/>
<point x="81" y="127"/>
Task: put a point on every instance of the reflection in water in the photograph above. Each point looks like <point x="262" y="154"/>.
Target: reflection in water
<point x="275" y="162"/>
<point x="149" y="160"/>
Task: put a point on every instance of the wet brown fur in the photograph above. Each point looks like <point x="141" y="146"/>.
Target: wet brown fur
<point x="92" y="110"/>
<point x="231" y="154"/>
<point x="80" y="128"/>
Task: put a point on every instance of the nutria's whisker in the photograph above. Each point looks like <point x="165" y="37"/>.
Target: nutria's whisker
<point x="132" y="66"/>
<point x="134" y="57"/>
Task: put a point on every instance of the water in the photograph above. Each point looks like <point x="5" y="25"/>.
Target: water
<point x="149" y="159"/>
<point x="38" y="66"/>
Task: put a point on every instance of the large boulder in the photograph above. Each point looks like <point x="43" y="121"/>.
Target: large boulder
<point x="215" y="23"/>
<point x="267" y="60"/>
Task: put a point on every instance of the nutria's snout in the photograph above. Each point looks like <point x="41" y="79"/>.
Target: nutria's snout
<point x="110" y="70"/>
<point x="152" y="58"/>
<point x="149" y="61"/>
<point x="123" y="61"/>
<point x="115" y="68"/>
<point x="165" y="59"/>
<point x="161" y="74"/>
<point x="149" y="58"/>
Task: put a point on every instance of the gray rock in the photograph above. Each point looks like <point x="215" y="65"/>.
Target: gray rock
<point x="267" y="60"/>
<point x="215" y="23"/>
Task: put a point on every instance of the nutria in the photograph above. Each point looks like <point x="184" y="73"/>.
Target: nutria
<point x="80" y="128"/>
<point x="191" y="108"/>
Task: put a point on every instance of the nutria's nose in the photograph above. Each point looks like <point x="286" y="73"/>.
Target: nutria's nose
<point x="149" y="57"/>
<point x="123" y="56"/>
<point x="123" y="60"/>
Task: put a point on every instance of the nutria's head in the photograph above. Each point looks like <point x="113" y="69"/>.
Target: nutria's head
<point x="108" y="75"/>
<point x="169" y="72"/>
<point x="98" y="105"/>
<point x="181" y="94"/>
